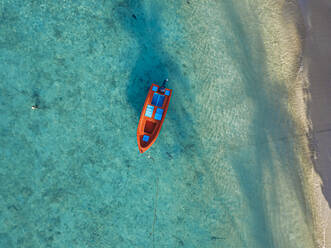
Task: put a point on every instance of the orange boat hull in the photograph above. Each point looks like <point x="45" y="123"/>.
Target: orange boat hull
<point x="152" y="116"/>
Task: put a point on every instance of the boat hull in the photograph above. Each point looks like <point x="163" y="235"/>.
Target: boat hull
<point x="152" y="116"/>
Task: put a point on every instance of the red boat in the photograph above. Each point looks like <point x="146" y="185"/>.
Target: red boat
<point x="152" y="116"/>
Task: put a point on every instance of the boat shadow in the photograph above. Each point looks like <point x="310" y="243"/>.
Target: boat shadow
<point x="153" y="65"/>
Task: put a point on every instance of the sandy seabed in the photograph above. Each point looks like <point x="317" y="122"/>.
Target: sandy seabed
<point x="288" y="35"/>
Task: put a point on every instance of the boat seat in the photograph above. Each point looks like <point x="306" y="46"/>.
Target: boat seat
<point x="145" y="138"/>
<point x="158" y="114"/>
<point x="167" y="92"/>
<point x="149" y="111"/>
<point x="158" y="100"/>
<point x="154" y="88"/>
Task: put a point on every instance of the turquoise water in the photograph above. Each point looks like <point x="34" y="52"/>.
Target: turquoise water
<point x="224" y="171"/>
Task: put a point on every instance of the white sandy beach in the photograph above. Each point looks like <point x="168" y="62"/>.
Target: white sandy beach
<point x="317" y="57"/>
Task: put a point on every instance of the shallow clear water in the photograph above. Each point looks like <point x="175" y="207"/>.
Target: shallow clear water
<point x="222" y="173"/>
